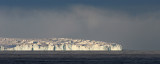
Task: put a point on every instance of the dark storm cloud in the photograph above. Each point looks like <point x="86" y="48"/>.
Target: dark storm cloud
<point x="135" y="26"/>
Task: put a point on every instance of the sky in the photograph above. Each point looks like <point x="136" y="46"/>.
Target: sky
<point x="132" y="23"/>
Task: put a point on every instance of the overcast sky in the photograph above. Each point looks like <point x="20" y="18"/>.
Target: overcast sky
<point x="133" y="23"/>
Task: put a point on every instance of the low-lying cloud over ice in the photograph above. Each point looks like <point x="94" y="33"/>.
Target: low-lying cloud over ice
<point x="133" y="29"/>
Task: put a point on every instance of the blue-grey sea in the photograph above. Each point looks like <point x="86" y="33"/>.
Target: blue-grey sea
<point x="79" y="57"/>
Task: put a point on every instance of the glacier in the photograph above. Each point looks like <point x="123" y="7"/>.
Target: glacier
<point x="56" y="44"/>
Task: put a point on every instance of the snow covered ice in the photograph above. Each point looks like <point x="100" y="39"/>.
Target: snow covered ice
<point x="56" y="44"/>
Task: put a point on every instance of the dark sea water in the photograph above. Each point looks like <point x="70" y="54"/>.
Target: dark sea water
<point x="79" y="57"/>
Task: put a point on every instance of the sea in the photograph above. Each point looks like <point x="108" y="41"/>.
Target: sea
<point x="80" y="57"/>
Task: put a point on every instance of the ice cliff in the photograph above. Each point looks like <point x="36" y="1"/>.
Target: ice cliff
<point x="56" y="44"/>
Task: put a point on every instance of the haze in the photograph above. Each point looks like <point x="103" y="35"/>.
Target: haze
<point x="133" y="24"/>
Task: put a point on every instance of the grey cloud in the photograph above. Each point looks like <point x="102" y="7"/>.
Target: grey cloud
<point x="133" y="32"/>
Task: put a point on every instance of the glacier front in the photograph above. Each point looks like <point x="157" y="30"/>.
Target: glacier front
<point x="56" y="44"/>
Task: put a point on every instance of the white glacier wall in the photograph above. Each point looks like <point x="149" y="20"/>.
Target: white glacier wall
<point x="56" y="44"/>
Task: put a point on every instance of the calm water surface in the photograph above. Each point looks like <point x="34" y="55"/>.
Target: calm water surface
<point x="79" y="57"/>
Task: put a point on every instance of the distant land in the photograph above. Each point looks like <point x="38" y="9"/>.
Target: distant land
<point x="56" y="44"/>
